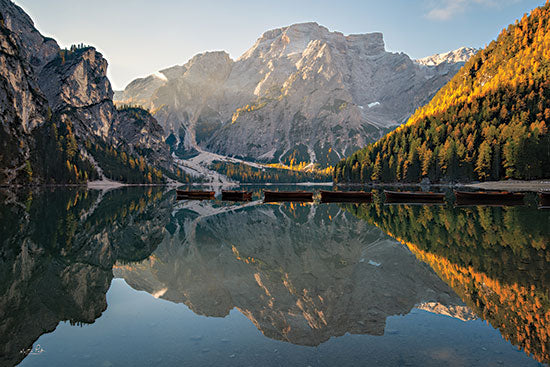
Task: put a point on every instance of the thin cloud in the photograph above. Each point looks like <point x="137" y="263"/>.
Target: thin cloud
<point x="447" y="9"/>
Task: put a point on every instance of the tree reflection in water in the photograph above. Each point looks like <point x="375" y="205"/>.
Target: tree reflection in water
<point x="495" y="258"/>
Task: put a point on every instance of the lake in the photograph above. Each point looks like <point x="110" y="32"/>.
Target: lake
<point x="133" y="277"/>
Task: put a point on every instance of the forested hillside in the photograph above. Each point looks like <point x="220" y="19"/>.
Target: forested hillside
<point x="489" y="122"/>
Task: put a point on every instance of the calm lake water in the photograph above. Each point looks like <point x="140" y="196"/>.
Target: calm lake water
<point x="132" y="277"/>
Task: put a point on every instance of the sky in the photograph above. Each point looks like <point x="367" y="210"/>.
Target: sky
<point x="140" y="37"/>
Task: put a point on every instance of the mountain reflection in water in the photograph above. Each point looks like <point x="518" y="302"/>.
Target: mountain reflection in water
<point x="301" y="273"/>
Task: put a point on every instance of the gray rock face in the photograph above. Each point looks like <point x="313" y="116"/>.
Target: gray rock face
<point x="36" y="49"/>
<point x="77" y="87"/>
<point x="40" y="85"/>
<point x="142" y="133"/>
<point x="70" y="80"/>
<point x="193" y="93"/>
<point x="77" y="79"/>
<point x="22" y="105"/>
<point x="300" y="92"/>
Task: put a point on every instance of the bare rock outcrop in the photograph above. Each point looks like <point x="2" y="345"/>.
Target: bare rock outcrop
<point x="462" y="54"/>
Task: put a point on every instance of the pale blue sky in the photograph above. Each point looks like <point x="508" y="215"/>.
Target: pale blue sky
<point x="139" y="37"/>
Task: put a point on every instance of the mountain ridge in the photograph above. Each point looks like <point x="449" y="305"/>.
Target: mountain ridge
<point x="300" y="93"/>
<point x="461" y="54"/>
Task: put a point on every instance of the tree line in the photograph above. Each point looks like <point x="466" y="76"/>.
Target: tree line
<point x="248" y="174"/>
<point x="56" y="157"/>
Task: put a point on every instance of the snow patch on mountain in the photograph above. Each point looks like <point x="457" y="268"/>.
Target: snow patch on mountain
<point x="460" y="55"/>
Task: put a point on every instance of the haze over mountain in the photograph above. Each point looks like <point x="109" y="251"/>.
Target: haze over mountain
<point x="300" y="94"/>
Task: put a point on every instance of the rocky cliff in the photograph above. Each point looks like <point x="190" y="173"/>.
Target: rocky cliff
<point x="22" y="105"/>
<point x="57" y="109"/>
<point x="300" y="93"/>
<point x="142" y="134"/>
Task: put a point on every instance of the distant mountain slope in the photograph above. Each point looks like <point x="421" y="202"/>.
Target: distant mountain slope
<point x="300" y="94"/>
<point x="59" y="123"/>
<point x="489" y="122"/>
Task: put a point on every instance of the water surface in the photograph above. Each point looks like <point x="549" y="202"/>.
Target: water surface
<point x="131" y="277"/>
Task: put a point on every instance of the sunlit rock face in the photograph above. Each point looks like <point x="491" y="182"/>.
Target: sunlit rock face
<point x="301" y="274"/>
<point x="141" y="90"/>
<point x="56" y="256"/>
<point x="77" y="87"/>
<point x="299" y="89"/>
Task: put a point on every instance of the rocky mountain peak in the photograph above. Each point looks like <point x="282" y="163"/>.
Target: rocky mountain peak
<point x="370" y="43"/>
<point x="294" y="32"/>
<point x="77" y="78"/>
<point x="294" y="40"/>
<point x="202" y="65"/>
<point x="459" y="55"/>
<point x="301" y="93"/>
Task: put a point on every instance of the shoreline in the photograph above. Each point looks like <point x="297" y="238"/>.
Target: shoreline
<point x="512" y="185"/>
<point x="508" y="185"/>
